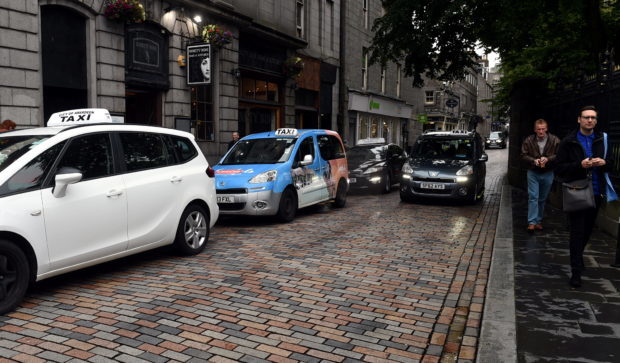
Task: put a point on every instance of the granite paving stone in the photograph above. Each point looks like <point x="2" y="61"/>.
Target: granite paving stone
<point x="377" y="280"/>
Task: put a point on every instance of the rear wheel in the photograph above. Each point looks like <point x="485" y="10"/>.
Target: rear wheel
<point x="341" y="194"/>
<point x="288" y="206"/>
<point x="193" y="231"/>
<point x="14" y="275"/>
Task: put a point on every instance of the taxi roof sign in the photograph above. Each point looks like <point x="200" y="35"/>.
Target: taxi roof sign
<point x="287" y="132"/>
<point x="81" y="116"/>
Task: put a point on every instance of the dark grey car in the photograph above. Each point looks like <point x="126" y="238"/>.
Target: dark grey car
<point x="445" y="165"/>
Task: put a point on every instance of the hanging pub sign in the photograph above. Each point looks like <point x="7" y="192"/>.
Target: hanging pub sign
<point x="199" y="64"/>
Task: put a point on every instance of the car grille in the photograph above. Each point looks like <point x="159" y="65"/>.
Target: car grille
<point x="231" y="191"/>
<point x="432" y="191"/>
<point x="231" y="206"/>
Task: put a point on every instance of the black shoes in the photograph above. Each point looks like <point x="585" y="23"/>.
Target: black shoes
<point x="575" y="280"/>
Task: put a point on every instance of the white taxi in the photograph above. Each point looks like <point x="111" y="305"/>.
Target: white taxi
<point x="86" y="190"/>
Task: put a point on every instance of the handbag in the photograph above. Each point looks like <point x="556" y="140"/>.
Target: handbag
<point x="578" y="195"/>
<point x="610" y="192"/>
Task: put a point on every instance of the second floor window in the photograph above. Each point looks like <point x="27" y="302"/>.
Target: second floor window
<point x="383" y="80"/>
<point x="365" y="10"/>
<point x="299" y="16"/>
<point x="429" y="97"/>
<point x="364" y="68"/>
<point x="398" y="70"/>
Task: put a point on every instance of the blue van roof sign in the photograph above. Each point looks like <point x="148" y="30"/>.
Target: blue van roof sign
<point x="80" y="117"/>
<point x="286" y="132"/>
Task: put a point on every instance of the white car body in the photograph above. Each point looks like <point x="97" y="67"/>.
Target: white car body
<point x="107" y="217"/>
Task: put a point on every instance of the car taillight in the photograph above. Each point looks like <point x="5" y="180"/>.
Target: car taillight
<point x="210" y="172"/>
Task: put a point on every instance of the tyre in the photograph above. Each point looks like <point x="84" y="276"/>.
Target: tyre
<point x="341" y="194"/>
<point x="193" y="231"/>
<point x="15" y="273"/>
<point x="288" y="206"/>
<point x="387" y="184"/>
<point x="406" y="198"/>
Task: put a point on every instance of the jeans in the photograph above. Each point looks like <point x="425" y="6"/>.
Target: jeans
<point x="580" y="225"/>
<point x="538" y="187"/>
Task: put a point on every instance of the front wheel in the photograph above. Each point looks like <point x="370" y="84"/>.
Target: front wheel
<point x="387" y="184"/>
<point x="193" y="231"/>
<point x="14" y="276"/>
<point x="288" y="206"/>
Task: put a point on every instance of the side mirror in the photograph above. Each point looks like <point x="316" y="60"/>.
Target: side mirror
<point x="307" y="160"/>
<point x="63" y="178"/>
<point x="484" y="157"/>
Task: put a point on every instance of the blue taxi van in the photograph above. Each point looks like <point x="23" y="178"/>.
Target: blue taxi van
<point x="278" y="172"/>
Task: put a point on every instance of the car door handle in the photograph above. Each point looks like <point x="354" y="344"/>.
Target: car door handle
<point x="35" y="213"/>
<point x="176" y="179"/>
<point x="114" y="193"/>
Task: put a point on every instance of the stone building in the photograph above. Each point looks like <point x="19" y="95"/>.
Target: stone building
<point x="288" y="64"/>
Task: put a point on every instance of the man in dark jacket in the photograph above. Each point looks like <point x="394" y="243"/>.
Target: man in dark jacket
<point x="581" y="153"/>
<point x="538" y="151"/>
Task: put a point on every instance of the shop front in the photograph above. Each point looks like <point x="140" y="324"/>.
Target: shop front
<point x="379" y="117"/>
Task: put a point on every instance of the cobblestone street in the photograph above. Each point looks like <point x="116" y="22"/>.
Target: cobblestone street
<point x="379" y="280"/>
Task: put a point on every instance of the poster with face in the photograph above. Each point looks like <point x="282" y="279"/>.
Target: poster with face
<point x="199" y="64"/>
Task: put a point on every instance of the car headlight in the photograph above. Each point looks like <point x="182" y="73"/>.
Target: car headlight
<point x="407" y="169"/>
<point x="499" y="140"/>
<point x="264" y="177"/>
<point x="488" y="141"/>
<point x="466" y="170"/>
<point x="372" y="170"/>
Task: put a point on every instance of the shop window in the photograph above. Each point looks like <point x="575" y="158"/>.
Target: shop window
<point x="261" y="90"/>
<point x="363" y="127"/>
<point x="254" y="89"/>
<point x="374" y="127"/>
<point x="202" y="112"/>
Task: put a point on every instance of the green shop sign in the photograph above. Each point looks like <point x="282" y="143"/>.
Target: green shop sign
<point x="423" y="118"/>
<point x="374" y="104"/>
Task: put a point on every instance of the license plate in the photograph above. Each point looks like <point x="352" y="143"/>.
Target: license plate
<point x="225" y="199"/>
<point x="352" y="180"/>
<point x="432" y="186"/>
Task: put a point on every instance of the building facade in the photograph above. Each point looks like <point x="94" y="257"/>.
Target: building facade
<point x="270" y="64"/>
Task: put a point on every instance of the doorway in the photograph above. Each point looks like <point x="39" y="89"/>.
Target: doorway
<point x="63" y="48"/>
<point x="143" y="107"/>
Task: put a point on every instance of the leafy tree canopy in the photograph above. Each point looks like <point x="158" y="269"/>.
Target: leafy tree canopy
<point x="552" y="40"/>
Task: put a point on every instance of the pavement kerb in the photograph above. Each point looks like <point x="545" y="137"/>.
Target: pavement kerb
<point x="498" y="338"/>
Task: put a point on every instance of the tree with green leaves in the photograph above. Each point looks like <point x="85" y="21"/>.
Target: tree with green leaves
<point x="550" y="40"/>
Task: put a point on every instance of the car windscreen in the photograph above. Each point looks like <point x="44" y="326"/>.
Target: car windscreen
<point x="455" y="149"/>
<point x="495" y="135"/>
<point x="360" y="154"/>
<point x="260" y="151"/>
<point x="12" y="147"/>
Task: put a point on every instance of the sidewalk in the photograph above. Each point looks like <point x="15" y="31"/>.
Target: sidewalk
<point x="551" y="321"/>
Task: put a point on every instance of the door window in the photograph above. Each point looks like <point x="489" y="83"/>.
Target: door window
<point x="305" y="148"/>
<point x="184" y="148"/>
<point x="330" y="147"/>
<point x="91" y="155"/>
<point x="31" y="176"/>
<point x="144" y="150"/>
